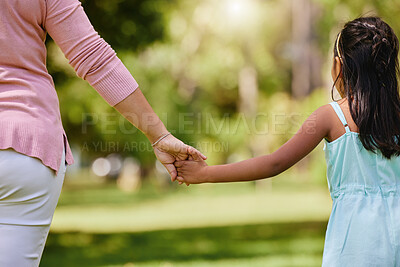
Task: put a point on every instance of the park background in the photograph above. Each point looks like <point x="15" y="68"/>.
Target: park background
<point x="234" y="78"/>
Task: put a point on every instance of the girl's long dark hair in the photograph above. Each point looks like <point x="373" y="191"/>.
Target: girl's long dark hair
<point x="368" y="49"/>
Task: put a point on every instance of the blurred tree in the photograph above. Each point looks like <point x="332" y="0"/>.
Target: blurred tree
<point x="306" y="54"/>
<point x="126" y="25"/>
<point x="129" y="25"/>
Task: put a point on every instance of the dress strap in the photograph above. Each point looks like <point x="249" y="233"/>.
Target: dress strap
<point x="340" y="114"/>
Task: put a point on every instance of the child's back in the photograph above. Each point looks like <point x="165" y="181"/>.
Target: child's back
<point x="364" y="227"/>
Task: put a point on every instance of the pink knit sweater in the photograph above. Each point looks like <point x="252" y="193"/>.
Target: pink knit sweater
<point x="30" y="121"/>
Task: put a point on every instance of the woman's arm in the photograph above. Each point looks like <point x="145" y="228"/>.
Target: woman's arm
<point x="138" y="111"/>
<point x="95" y="61"/>
<point x="313" y="130"/>
<point x="92" y="57"/>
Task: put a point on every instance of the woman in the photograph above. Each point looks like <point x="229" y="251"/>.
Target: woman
<point x="34" y="150"/>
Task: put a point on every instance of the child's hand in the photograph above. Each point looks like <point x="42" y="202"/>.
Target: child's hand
<point x="192" y="171"/>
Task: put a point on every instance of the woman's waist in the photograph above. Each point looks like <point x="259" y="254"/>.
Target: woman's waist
<point x="23" y="104"/>
<point x="16" y="116"/>
<point x="40" y="140"/>
<point x="28" y="92"/>
<point x="30" y="128"/>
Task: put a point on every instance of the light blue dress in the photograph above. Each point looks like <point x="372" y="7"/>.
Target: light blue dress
<point x="364" y="226"/>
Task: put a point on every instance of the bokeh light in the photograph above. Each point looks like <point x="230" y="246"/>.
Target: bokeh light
<point x="101" y="167"/>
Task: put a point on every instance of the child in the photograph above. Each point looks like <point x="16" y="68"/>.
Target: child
<point x="361" y="132"/>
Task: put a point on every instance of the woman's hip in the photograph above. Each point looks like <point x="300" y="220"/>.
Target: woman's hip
<point x="29" y="190"/>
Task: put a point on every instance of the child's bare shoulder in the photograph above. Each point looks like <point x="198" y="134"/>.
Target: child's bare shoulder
<point x="323" y="118"/>
<point x="329" y="121"/>
<point x="323" y="113"/>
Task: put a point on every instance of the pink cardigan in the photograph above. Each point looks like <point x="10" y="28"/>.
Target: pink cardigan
<point x="30" y="121"/>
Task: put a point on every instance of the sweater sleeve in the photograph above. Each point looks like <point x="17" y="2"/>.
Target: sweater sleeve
<point x="92" y="58"/>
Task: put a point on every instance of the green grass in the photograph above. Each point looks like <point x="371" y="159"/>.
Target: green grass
<point x="271" y="224"/>
<point x="283" y="244"/>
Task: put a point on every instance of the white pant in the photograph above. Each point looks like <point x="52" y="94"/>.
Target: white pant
<point x="29" y="193"/>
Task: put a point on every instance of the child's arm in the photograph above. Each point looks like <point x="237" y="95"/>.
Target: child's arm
<point x="313" y="130"/>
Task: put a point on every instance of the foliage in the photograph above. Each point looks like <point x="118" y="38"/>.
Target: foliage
<point x="128" y="25"/>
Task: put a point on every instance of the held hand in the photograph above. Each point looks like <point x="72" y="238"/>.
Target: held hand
<point x="170" y="149"/>
<point x="192" y="171"/>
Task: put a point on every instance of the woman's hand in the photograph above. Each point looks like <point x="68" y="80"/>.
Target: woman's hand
<point x="170" y="149"/>
<point x="192" y="171"/>
<point x="138" y="111"/>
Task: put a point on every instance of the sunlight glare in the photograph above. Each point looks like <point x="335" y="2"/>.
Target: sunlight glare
<point x="235" y="7"/>
<point x="238" y="10"/>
